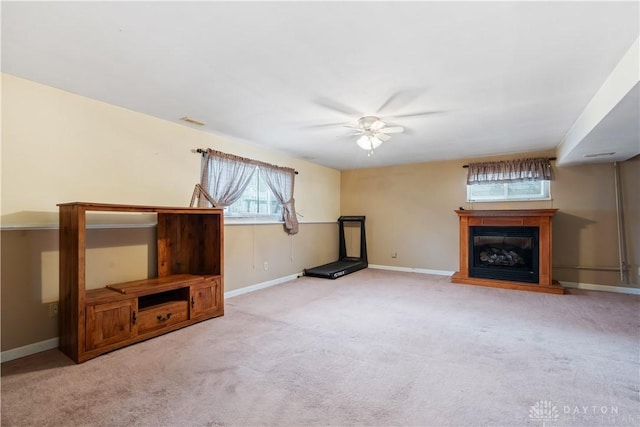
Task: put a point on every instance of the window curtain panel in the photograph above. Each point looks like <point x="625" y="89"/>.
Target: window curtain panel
<point x="224" y="177"/>
<point x="519" y="170"/>
<point x="281" y="181"/>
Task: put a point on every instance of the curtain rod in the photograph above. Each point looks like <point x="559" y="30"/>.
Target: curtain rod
<point x="203" y="152"/>
<point x="550" y="158"/>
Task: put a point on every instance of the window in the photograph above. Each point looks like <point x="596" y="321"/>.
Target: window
<point x="509" y="180"/>
<point x="509" y="191"/>
<point x="257" y="200"/>
<point x="247" y="188"/>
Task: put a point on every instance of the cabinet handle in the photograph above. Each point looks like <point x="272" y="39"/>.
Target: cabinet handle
<point x="133" y="318"/>
<point x="193" y="302"/>
<point x="164" y="318"/>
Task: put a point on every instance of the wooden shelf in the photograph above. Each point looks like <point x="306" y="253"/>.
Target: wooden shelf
<point x="155" y="285"/>
<point x="188" y="288"/>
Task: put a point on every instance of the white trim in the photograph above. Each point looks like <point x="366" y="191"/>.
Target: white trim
<point x="89" y="226"/>
<point x="36" y="227"/>
<point x="585" y="286"/>
<point x="602" y="288"/>
<point x="412" y="270"/>
<point x="249" y="221"/>
<point x="20" y="227"/>
<point x="240" y="221"/>
<point x="27" y="350"/>
<point x="252" y="288"/>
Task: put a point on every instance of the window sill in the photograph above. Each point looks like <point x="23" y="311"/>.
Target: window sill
<point x="230" y="220"/>
<point x="509" y="200"/>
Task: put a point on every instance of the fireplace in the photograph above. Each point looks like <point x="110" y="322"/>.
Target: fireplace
<point x="507" y="249"/>
<point x="504" y="253"/>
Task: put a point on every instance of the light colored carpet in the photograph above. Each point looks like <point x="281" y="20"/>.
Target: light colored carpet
<point x="371" y="348"/>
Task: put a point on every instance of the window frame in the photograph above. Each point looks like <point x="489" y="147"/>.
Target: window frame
<point x="257" y="216"/>
<point x="545" y="193"/>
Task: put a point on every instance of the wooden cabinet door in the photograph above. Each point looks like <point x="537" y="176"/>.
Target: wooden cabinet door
<point x="111" y="323"/>
<point x="206" y="298"/>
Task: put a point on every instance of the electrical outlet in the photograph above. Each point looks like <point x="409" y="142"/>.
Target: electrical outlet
<point x="53" y="309"/>
<point x="394" y="254"/>
<point x="266" y="265"/>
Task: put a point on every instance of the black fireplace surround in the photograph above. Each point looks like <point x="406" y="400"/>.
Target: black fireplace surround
<point x="504" y="253"/>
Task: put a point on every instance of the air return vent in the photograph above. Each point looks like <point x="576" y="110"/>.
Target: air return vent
<point x="599" y="154"/>
<point x="192" y="121"/>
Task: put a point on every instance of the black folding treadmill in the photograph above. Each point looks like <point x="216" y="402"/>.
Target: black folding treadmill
<point x="344" y="264"/>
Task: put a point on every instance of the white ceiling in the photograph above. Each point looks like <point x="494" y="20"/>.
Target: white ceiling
<point x="498" y="77"/>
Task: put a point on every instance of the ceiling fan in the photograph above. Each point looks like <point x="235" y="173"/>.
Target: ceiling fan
<point x="373" y="132"/>
<point x="371" y="129"/>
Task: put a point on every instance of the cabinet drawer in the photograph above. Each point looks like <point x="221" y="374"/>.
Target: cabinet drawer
<point x="162" y="315"/>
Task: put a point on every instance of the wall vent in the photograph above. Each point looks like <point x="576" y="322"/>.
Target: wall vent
<point x="599" y="154"/>
<point x="192" y="121"/>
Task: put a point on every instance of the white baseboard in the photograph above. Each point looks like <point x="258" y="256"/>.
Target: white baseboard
<point x="262" y="285"/>
<point x="27" y="350"/>
<point x="575" y="285"/>
<point x="412" y="270"/>
<point x="602" y="288"/>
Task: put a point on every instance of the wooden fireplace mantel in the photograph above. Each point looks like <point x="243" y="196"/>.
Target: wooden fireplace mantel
<point x="540" y="218"/>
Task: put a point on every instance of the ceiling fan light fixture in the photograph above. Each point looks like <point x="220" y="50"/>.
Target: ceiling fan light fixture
<point x="363" y="142"/>
<point x="373" y="132"/>
<point x="369" y="142"/>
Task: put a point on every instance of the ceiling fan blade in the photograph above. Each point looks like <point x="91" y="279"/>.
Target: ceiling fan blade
<point x="422" y="113"/>
<point x="377" y="125"/>
<point x="382" y="137"/>
<point x="392" y="129"/>
<point x="401" y="98"/>
<point x="336" y="106"/>
<point x="326" y="125"/>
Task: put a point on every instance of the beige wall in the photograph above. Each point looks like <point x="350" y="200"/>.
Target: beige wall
<point x="60" y="147"/>
<point x="410" y="210"/>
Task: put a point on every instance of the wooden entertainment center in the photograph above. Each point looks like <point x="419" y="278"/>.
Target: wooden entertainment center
<point x="188" y="288"/>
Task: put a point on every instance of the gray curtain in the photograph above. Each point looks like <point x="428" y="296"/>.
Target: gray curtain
<point x="224" y="177"/>
<point x="532" y="169"/>
<point x="280" y="181"/>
